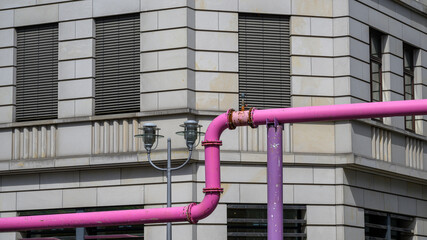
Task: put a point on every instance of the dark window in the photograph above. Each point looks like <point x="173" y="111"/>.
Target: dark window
<point x="249" y="222"/>
<point x="387" y="226"/>
<point x="264" y="61"/>
<point x="408" y="75"/>
<point x="117" y="64"/>
<point x="376" y="66"/>
<point x="37" y="72"/>
<point x="123" y="232"/>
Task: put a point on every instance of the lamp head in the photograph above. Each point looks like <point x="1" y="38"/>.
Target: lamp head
<point x="149" y="135"/>
<point x="191" y="132"/>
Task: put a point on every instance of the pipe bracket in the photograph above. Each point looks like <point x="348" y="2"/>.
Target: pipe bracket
<point x="213" y="190"/>
<point x="212" y="143"/>
<point x="230" y="123"/>
<point x="188" y="213"/>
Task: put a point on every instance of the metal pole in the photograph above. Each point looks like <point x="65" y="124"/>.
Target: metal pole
<point x="274" y="181"/>
<point x="80" y="232"/>
<point x="169" y="191"/>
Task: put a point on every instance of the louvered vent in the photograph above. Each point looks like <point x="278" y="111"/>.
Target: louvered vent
<point x="37" y="72"/>
<point x="264" y="60"/>
<point x="117" y="64"/>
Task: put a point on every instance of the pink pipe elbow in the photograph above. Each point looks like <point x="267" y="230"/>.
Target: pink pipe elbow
<point x="192" y="213"/>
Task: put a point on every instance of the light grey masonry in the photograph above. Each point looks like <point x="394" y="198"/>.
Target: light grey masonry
<point x="189" y="69"/>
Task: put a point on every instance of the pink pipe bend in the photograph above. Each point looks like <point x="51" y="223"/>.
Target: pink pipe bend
<point x="231" y="119"/>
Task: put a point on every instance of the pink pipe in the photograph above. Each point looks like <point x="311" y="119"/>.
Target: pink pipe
<point x="195" y="212"/>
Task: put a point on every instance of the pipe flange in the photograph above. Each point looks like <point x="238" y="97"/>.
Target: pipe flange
<point x="230" y="123"/>
<point x="213" y="190"/>
<point x="251" y="118"/>
<point x="212" y="143"/>
<point x="188" y="213"/>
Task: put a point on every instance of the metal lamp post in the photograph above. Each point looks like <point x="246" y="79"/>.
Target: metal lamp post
<point x="191" y="133"/>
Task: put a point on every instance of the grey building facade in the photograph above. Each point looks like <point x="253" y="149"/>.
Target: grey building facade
<point x="78" y="78"/>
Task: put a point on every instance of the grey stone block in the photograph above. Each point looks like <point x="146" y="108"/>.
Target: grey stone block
<point x="67" y="30"/>
<point x="378" y="20"/>
<point x="7" y="18"/>
<point x="373" y="200"/>
<point x="321" y="232"/>
<point x="226" y="5"/>
<point x="211" y="232"/>
<point x="75" y="10"/>
<point x="84" y="197"/>
<point x="82" y="88"/>
<point x="59" y="180"/>
<point x="273" y="7"/>
<point x="6" y="144"/>
<point x="112" y="7"/>
<point x="85" y="28"/>
<point x="217" y="41"/>
<point x="353" y="196"/>
<point x="322" y="215"/>
<point x="7" y="95"/>
<point x="74" y="139"/>
<point x="36" y="200"/>
<point x="7" y="38"/>
<point x="297" y="175"/>
<point x="407" y="206"/>
<point x="102" y="177"/>
<point x="7" y="57"/>
<point x="8" y="201"/>
<point x="7" y="114"/>
<point x="20" y="182"/>
<point x="321" y="26"/>
<point x="76" y="49"/>
<point x="155" y="194"/>
<point x="219" y="216"/>
<point x="139" y="175"/>
<point x="7" y="76"/>
<point x="173" y="18"/>
<point x="324" y="175"/>
<point x="148" y="5"/>
<point x="123" y="195"/>
<point x="314" y="194"/>
<point x="67" y="69"/>
<point x="165" y="39"/>
<point x="36" y="15"/>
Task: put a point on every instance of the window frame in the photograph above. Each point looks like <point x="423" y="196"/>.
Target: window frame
<point x="411" y="74"/>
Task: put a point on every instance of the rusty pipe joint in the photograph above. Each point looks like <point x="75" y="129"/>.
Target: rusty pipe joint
<point x="240" y="118"/>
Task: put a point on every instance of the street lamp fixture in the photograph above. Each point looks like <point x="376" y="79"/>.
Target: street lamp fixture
<point x="192" y="133"/>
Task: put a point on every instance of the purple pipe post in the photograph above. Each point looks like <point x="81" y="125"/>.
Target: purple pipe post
<point x="274" y="181"/>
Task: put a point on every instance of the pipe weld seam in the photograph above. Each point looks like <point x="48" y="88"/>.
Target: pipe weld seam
<point x="251" y="118"/>
<point x="213" y="190"/>
<point x="212" y="143"/>
<point x="188" y="213"/>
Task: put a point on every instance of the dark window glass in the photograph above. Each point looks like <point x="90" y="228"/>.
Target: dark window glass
<point x="37" y="72"/>
<point x="264" y="61"/>
<point x="123" y="232"/>
<point x="117" y="81"/>
<point x="249" y="222"/>
<point x="387" y="226"/>
<point x="408" y="75"/>
<point x="376" y="68"/>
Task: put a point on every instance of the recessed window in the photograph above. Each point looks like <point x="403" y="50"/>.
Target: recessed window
<point x="117" y="78"/>
<point x="376" y="66"/>
<point x="264" y="61"/>
<point x="408" y="75"/>
<point x="249" y="222"/>
<point x="388" y="226"/>
<point x="37" y="72"/>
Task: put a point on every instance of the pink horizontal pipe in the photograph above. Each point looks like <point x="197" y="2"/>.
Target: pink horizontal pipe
<point x="193" y="212"/>
<point x="342" y="112"/>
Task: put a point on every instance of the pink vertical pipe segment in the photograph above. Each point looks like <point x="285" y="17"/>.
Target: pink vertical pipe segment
<point x="274" y="181"/>
<point x="195" y="212"/>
